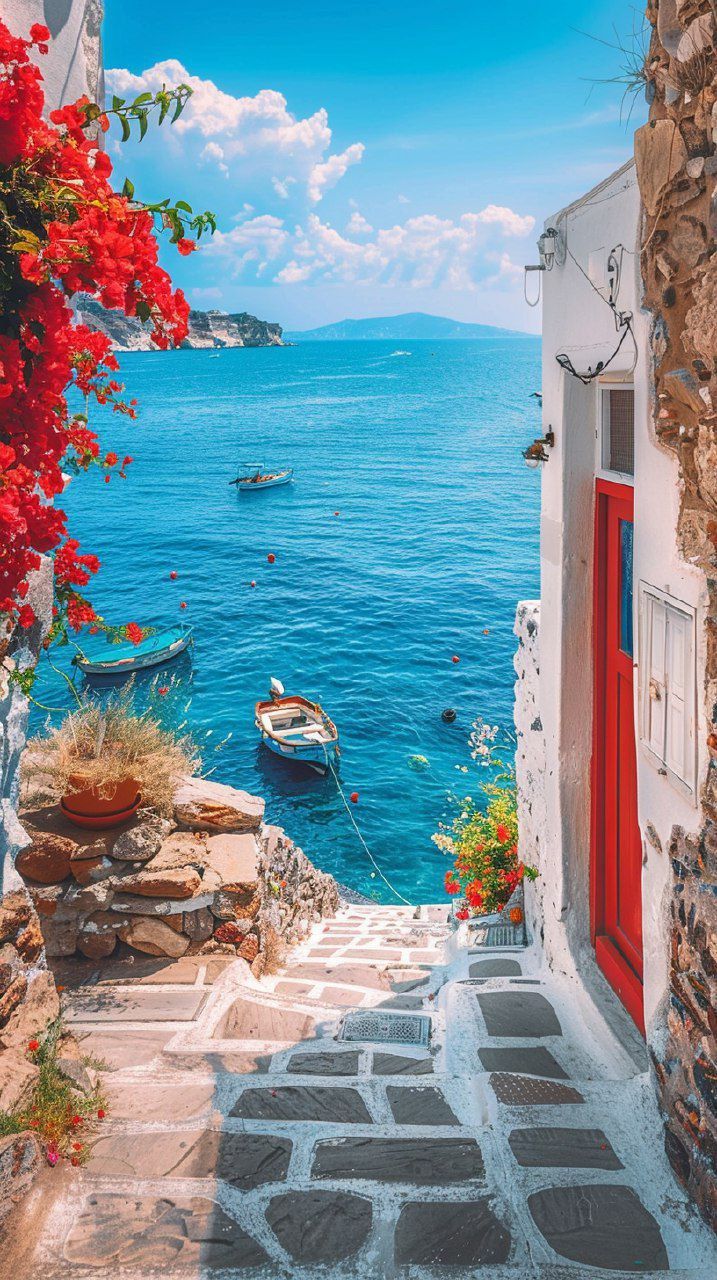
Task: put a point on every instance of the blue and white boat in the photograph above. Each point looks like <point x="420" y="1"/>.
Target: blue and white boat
<point x="258" y="478"/>
<point x="296" y="729"/>
<point x="126" y="658"/>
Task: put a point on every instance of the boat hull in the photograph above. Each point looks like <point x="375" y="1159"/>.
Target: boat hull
<point x="313" y="756"/>
<point x="157" y="656"/>
<point x="252" y="486"/>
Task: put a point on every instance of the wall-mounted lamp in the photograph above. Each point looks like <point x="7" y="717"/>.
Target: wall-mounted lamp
<point x="535" y="452"/>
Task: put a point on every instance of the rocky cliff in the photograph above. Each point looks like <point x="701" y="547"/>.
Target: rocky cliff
<point x="206" y="329"/>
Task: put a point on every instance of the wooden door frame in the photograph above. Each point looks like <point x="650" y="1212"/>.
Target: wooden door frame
<point x="619" y="973"/>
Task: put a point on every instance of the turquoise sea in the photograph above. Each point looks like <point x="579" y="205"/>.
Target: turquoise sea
<point x="435" y="540"/>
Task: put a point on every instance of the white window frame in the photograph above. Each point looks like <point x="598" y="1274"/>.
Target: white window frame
<point x="665" y="622"/>
<point x="604" y="387"/>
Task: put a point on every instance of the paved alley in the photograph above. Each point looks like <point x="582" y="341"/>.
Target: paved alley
<point x="393" y="1103"/>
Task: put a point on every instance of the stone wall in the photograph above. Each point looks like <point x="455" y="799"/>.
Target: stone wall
<point x="530" y="756"/>
<point x="28" y="999"/>
<point x="213" y="878"/>
<point x="677" y="170"/>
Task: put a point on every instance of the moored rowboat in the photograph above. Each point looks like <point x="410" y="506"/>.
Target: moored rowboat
<point x="126" y="658"/>
<point x="296" y="729"/>
<point x="257" y="478"/>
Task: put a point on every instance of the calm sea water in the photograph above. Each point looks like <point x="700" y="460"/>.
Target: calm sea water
<point x="435" y="541"/>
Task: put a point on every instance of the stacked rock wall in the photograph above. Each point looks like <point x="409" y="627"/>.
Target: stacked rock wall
<point x="213" y="878"/>
<point x="676" y="161"/>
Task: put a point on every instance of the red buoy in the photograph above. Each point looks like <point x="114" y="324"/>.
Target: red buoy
<point x="252" y="583"/>
<point x="455" y="658"/>
<point x="182" y="604"/>
<point x="173" y="575"/>
<point x="271" y="557"/>
<point x="354" y="797"/>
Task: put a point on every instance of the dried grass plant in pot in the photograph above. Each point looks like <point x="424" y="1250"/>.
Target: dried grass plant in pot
<point x="106" y="758"/>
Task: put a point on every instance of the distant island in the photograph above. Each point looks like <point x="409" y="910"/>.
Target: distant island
<point x="413" y="324"/>
<point x="207" y="329"/>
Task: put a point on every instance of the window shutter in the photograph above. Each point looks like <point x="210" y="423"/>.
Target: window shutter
<point x="677" y="729"/>
<point x="655" y="693"/>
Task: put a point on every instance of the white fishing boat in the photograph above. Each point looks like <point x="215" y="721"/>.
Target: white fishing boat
<point x="257" y="478"/>
<point x="296" y="729"/>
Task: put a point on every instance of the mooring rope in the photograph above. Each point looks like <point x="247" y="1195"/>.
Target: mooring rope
<point x="358" y="833"/>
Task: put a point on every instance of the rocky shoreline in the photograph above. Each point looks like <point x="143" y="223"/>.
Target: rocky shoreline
<point x="208" y="330"/>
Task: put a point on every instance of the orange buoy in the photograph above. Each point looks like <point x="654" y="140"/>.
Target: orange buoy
<point x="271" y="557"/>
<point x="354" y="797"/>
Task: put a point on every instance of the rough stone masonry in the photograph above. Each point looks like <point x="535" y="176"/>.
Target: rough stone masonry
<point x="676" y="159"/>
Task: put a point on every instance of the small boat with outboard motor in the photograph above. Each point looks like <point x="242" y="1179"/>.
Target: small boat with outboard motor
<point x="296" y="729"/>
<point x="257" y="478"/>
<point x="107" y="659"/>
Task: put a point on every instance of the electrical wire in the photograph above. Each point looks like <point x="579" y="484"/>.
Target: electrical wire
<point x="623" y="320"/>
<point x="358" y="833"/>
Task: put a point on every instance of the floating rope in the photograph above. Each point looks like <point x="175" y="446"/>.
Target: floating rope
<point x="358" y="833"/>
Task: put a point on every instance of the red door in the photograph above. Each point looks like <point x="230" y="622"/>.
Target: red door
<point x="616" y="855"/>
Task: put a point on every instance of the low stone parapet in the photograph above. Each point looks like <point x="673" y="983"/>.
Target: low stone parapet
<point x="212" y="878"/>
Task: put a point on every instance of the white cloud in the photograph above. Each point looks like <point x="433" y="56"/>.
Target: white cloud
<point x="424" y="252"/>
<point x="357" y="225"/>
<point x="282" y="187"/>
<point x="213" y="154"/>
<point x="403" y="199"/>
<point x="206" y="295"/>
<point x="510" y="223"/>
<point x="260" y="132"/>
<point x="325" y="175"/>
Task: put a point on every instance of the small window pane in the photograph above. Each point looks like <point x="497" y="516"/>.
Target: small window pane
<point x="619" y="431"/>
<point x="626" y="539"/>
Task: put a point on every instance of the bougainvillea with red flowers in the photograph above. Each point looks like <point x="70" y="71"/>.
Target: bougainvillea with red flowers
<point x="483" y="839"/>
<point x="64" y="231"/>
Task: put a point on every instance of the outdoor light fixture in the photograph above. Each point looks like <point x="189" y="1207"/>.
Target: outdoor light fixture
<point x="535" y="453"/>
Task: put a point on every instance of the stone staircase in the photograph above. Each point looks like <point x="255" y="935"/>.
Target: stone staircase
<point x="245" y="1135"/>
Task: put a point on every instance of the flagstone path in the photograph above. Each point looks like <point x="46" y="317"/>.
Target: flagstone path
<point x="244" y="1138"/>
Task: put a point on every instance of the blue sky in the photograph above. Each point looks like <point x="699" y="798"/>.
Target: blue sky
<point x="373" y="159"/>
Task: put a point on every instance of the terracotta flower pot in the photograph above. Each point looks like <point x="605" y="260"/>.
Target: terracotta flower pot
<point x="87" y="807"/>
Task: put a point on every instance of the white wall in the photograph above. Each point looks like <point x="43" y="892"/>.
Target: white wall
<point x="577" y="321"/>
<point x="73" y="65"/>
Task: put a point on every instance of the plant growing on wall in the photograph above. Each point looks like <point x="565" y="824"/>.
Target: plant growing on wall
<point x="483" y="839"/>
<point x="64" y="230"/>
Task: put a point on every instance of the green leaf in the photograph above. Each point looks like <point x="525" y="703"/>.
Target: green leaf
<point x="126" y="131"/>
<point x="128" y="189"/>
<point x="143" y="97"/>
<point x="142" y="124"/>
<point x="143" y="309"/>
<point x="165" y="103"/>
<point x="182" y="204"/>
<point x="117" y="102"/>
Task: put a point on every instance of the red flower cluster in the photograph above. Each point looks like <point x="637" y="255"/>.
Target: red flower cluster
<point x="71" y="232"/>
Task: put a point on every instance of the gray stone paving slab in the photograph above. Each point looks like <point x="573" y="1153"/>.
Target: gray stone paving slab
<point x="421" y="1162"/>
<point x="419" y="1105"/>
<point x="528" y="1091"/>
<point x="252" y="1020"/>
<point x="395" y="1064"/>
<point x="532" y="1061"/>
<point x="147" y="1232"/>
<point x="338" y="1105"/>
<point x="344" y="996"/>
<point x="242" y="1064"/>
<point x="293" y="988"/>
<point x="519" y="1014"/>
<point x="600" y="1226"/>
<point x="551" y="1148"/>
<point x="401" y="1002"/>
<point x="367" y="953"/>
<point x="320" y="1226"/>
<point x="118" y="1050"/>
<point x="467" y="1234"/>
<point x="352" y="975"/>
<point x="498" y="967"/>
<point x="244" y="1160"/>
<point x="138" y="1005"/>
<point x="145" y="1102"/>
<point x="324" y="1064"/>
